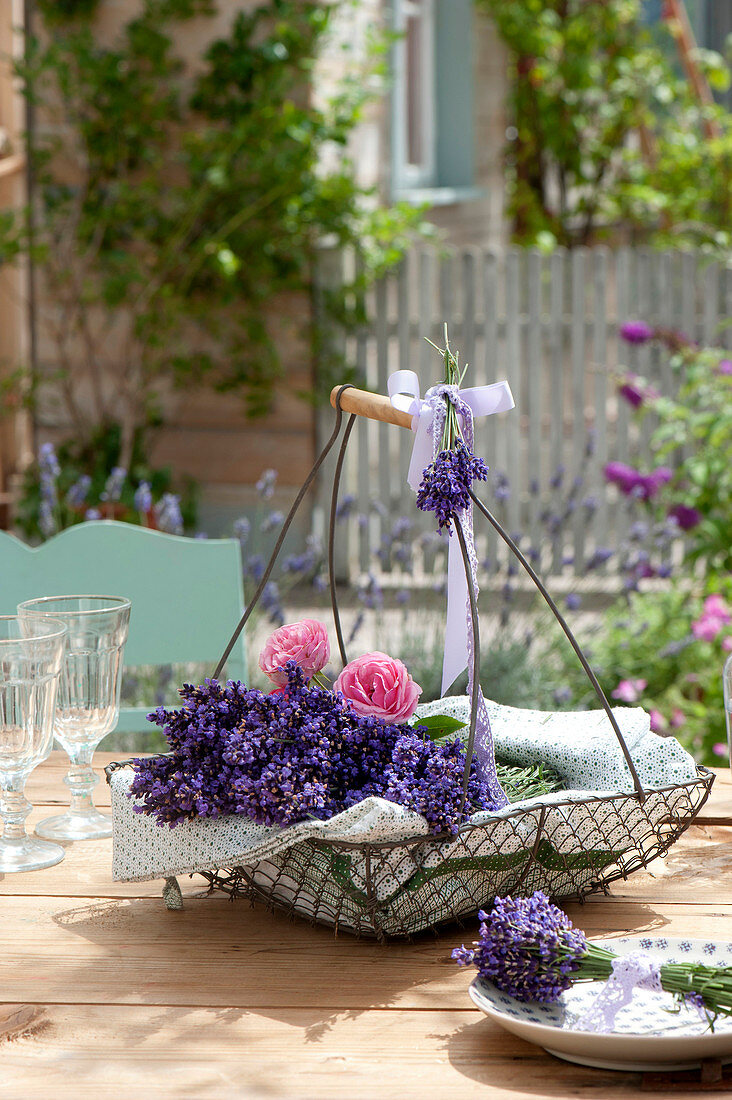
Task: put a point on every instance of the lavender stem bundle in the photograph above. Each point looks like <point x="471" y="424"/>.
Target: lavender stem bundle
<point x="530" y="949"/>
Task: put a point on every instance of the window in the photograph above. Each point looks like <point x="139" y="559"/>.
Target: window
<point x="432" y="96"/>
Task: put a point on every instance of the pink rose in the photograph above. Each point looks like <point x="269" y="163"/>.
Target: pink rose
<point x="305" y="643"/>
<point x="380" y="685"/>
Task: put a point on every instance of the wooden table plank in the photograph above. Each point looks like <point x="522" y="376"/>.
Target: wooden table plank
<point x="215" y="953"/>
<point x="308" y="1054"/>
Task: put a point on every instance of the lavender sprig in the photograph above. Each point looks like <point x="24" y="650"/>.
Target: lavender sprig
<point x="530" y="949"/>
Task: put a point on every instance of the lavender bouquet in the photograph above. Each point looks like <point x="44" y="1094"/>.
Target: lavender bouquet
<point x="530" y="949"/>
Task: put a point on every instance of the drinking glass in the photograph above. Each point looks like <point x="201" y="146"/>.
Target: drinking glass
<point x="88" y="699"/>
<point x="30" y="661"/>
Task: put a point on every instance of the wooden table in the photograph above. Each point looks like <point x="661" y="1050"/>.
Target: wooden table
<point x="104" y="991"/>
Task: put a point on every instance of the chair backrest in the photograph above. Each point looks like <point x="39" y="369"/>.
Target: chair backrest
<point x="187" y="594"/>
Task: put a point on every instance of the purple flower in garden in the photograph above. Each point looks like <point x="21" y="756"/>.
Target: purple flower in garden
<point x="573" y="601"/>
<point x="92" y="514"/>
<point x="720" y="748"/>
<point x="47" y="460"/>
<point x="527" y="947"/>
<point x="46" y="519"/>
<point x="685" y="516"/>
<point x="599" y="556"/>
<point x="636" y="332"/>
<point x="272" y="521"/>
<point x="445" y="484"/>
<point x="635" y="392"/>
<point x="266" y="484"/>
<point x="79" y="491"/>
<point x="114" y="484"/>
<point x="633" y="483"/>
<point x="724" y="366"/>
<point x="143" y="497"/>
<point x="658" y="722"/>
<point x="168" y="514"/>
<point x="242" y="527"/>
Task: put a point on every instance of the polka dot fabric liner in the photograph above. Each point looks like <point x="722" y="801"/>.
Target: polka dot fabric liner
<point x="416" y="885"/>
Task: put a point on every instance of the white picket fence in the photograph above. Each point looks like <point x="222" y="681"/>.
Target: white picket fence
<point x="549" y="324"/>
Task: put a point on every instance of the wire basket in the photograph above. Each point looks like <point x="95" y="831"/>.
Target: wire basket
<point x="567" y="846"/>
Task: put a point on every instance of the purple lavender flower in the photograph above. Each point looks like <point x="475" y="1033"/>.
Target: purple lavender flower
<point x="724" y="366"/>
<point x="168" y="514"/>
<point x="345" y="507"/>
<point x="266" y="484"/>
<point x="272" y="521"/>
<point x="685" y="516"/>
<point x="573" y="601"/>
<point x="445" y="484"/>
<point x="143" y="497"/>
<point x="78" y="492"/>
<point x="47" y="460"/>
<point x="242" y="527"/>
<point x="527" y="947"/>
<point x="114" y="484"/>
<point x="92" y="514"/>
<point x="636" y="332"/>
<point x="46" y="519"/>
<point x="598" y="558"/>
<point x="303" y="752"/>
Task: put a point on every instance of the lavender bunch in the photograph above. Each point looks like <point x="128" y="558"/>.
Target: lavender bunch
<point x="295" y="754"/>
<point x="530" y="949"/>
<point x="446" y="482"/>
<point x="445" y="485"/>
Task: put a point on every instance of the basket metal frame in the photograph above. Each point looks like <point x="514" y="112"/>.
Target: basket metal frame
<point x="372" y="916"/>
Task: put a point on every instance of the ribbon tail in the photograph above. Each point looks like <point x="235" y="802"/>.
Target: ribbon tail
<point x="455" y="658"/>
<point x="422" y="449"/>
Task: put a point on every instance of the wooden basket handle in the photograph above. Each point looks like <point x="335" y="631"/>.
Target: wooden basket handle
<point x="372" y="405"/>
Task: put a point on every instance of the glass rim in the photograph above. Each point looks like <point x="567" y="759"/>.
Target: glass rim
<point x="56" y="629"/>
<point x="36" y="605"/>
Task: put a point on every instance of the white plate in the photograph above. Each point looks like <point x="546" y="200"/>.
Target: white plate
<point x="647" y="1036"/>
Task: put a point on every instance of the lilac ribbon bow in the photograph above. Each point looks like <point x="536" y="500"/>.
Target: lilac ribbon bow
<point x="475" y="402"/>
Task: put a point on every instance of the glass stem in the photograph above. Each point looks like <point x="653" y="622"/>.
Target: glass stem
<point x="14" y="809"/>
<point x="81" y="779"/>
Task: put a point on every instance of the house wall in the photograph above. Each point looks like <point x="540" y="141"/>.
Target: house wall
<point x="471" y="215"/>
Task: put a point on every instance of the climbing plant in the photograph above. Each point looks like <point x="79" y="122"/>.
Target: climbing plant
<point x="173" y="203"/>
<point x="606" y="138"/>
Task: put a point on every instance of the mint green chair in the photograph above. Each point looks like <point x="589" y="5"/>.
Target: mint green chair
<point x="187" y="594"/>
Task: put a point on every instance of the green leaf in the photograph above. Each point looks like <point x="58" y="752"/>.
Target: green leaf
<point x="439" y="726"/>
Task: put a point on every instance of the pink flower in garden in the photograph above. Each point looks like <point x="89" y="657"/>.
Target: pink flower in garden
<point x="380" y="685"/>
<point x="727" y="644"/>
<point x="658" y="722"/>
<point x="678" y="718"/>
<point x="720" y="748"/>
<point x="636" y="332"/>
<point x="305" y="643"/>
<point x="724" y="366"/>
<point x="628" y="691"/>
<point x="712" y="619"/>
<point x="685" y="516"/>
<point x="715" y="605"/>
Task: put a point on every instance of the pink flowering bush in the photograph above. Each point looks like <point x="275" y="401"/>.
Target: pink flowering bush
<point x="665" y="651"/>
<point x="380" y="685"/>
<point x="305" y="643"/>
